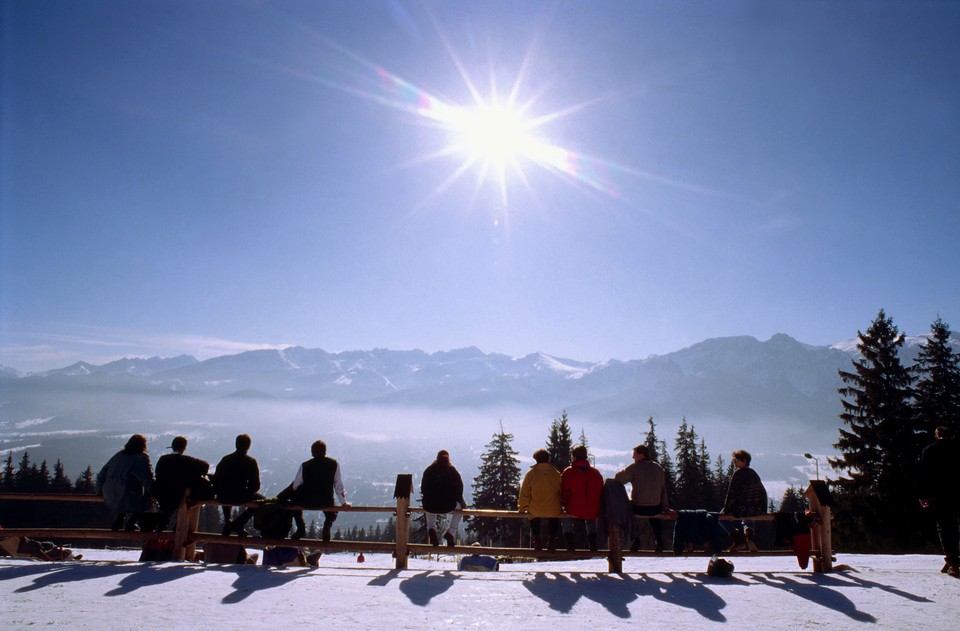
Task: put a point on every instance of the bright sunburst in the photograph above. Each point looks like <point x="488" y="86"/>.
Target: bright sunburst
<point x="493" y="134"/>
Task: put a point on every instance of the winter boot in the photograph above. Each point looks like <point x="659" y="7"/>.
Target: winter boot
<point x="635" y="545"/>
<point x="592" y="541"/>
<point x="325" y="534"/>
<point x="132" y="523"/>
<point x="451" y="542"/>
<point x="748" y="537"/>
<point x="118" y="523"/>
<point x="739" y="541"/>
<point x="551" y="543"/>
<point x="535" y="541"/>
<point x="432" y="536"/>
<point x="571" y="542"/>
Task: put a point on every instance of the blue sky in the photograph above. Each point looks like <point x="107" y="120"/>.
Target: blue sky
<point x="184" y="177"/>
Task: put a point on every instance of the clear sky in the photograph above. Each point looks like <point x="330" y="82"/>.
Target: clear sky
<point x="592" y="180"/>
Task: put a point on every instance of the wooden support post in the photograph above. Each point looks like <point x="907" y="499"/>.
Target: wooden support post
<point x="402" y="492"/>
<point x="188" y="519"/>
<point x="821" y="503"/>
<point x="615" y="553"/>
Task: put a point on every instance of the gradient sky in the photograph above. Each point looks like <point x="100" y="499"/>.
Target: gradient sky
<point x="209" y="177"/>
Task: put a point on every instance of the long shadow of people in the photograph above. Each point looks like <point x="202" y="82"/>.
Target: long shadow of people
<point x="152" y="574"/>
<point x="817" y="590"/>
<point x="421" y="588"/>
<point x="251" y="578"/>
<point x="79" y="572"/>
<point x="557" y="589"/>
<point x="561" y="591"/>
<point x="383" y="581"/>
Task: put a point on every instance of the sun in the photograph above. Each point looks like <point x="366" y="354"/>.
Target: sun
<point x="494" y="135"/>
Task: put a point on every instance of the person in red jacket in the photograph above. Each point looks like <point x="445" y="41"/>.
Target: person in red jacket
<point x="581" y="487"/>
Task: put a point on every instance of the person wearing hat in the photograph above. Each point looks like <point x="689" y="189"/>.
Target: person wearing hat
<point x="442" y="489"/>
<point x="175" y="473"/>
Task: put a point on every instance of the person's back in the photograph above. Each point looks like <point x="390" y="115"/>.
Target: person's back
<point x="582" y="490"/>
<point x="441" y="486"/>
<point x="540" y="491"/>
<point x="237" y="478"/>
<point x="318" y="478"/>
<point x="175" y="473"/>
<point x="940" y="470"/>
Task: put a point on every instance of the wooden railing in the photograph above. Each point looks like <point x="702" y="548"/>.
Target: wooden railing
<point x="186" y="535"/>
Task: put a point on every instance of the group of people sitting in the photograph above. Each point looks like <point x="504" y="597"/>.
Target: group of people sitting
<point x="575" y="495"/>
<point x="128" y="485"/>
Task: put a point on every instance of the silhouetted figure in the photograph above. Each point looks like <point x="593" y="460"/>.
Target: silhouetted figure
<point x="176" y="473"/>
<point x="316" y="483"/>
<point x="126" y="483"/>
<point x="940" y="492"/>
<point x="442" y="489"/>
<point x="236" y="481"/>
<point x="746" y="497"/>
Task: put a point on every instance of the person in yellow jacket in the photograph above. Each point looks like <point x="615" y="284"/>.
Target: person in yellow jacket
<point x="540" y="498"/>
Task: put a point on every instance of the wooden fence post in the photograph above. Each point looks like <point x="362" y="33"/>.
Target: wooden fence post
<point x="188" y="520"/>
<point x="402" y="492"/>
<point x="821" y="503"/>
<point x="615" y="553"/>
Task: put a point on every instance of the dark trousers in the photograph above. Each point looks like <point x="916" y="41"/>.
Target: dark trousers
<point x="656" y="525"/>
<point x="947" y="516"/>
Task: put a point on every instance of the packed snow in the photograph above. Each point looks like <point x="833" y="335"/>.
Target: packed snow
<point x="108" y="589"/>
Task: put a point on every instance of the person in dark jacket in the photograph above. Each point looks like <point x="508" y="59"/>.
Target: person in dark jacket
<point x="442" y="489"/>
<point x="581" y="490"/>
<point x="126" y="483"/>
<point x="746" y="497"/>
<point x="175" y="474"/>
<point x="940" y="492"/>
<point x="316" y="483"/>
<point x="236" y="481"/>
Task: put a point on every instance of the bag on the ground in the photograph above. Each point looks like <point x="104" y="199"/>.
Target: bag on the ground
<point x="719" y="568"/>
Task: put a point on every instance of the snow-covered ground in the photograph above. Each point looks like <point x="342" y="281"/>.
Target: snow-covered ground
<point x="108" y="590"/>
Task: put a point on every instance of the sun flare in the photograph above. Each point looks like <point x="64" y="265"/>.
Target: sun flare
<point x="492" y="134"/>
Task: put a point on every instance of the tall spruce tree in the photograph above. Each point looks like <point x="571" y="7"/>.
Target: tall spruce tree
<point x="691" y="482"/>
<point x="937" y="390"/>
<point x="9" y="482"/>
<point x="497" y="486"/>
<point x="880" y="444"/>
<point x="86" y="484"/>
<point x="60" y="483"/>
<point x="560" y="442"/>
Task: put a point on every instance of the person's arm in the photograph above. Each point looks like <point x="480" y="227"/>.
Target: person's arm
<point x="624" y="476"/>
<point x="338" y="487"/>
<point x="297" y="479"/>
<point x="523" y="502"/>
<point x="254" y="477"/>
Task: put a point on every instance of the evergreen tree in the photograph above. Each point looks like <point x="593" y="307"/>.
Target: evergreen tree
<point x="793" y="501"/>
<point x="390" y="530"/>
<point x="651" y="440"/>
<point x="669" y="471"/>
<point x="9" y="481"/>
<point x="938" y="386"/>
<point x="42" y="481"/>
<point x="560" y="442"/>
<point x="722" y="473"/>
<point x="497" y="486"/>
<point x="880" y="444"/>
<point x="60" y="483"/>
<point x="86" y="483"/>
<point x="23" y="478"/>
<point x="690" y="482"/>
<point x="313" y="532"/>
<point x="583" y="439"/>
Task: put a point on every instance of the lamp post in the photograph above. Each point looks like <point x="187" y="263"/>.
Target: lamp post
<point x="816" y="462"/>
